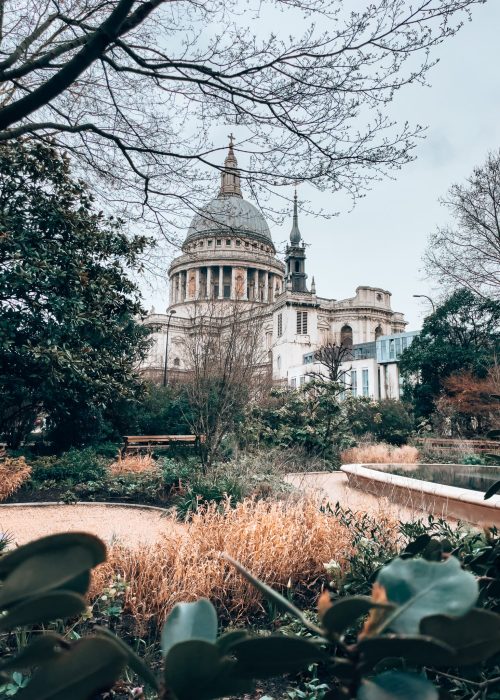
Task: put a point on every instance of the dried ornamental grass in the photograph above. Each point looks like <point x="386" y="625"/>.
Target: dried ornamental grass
<point x="380" y="454"/>
<point x="133" y="464"/>
<point x="13" y="473"/>
<point x="278" y="541"/>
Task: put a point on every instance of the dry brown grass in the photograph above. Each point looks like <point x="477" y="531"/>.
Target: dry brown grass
<point x="277" y="541"/>
<point x="13" y="473"/>
<point x="132" y="464"/>
<point x="380" y="454"/>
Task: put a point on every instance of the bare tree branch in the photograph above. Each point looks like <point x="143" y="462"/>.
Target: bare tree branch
<point x="467" y="254"/>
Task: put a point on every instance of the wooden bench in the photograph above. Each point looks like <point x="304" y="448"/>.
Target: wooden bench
<point x="137" y="443"/>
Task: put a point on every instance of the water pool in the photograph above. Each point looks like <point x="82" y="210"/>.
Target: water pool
<point x="465" y="476"/>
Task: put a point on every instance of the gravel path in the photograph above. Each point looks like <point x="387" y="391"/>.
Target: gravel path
<point x="334" y="487"/>
<point x="131" y="526"/>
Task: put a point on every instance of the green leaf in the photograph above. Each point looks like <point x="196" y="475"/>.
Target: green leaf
<point x="43" y="608"/>
<point x="344" y="612"/>
<point x="263" y="657"/>
<point x="133" y="661"/>
<point x="226" y="641"/>
<point x="421" y="588"/>
<point x="42" y="649"/>
<point x="395" y="685"/>
<point x="475" y="637"/>
<point x="494" y="488"/>
<point x="44" y="572"/>
<point x="196" y="669"/>
<point x="416" y="651"/>
<point x="94" y="546"/>
<point x="276" y="598"/>
<point x="187" y="621"/>
<point x="91" y="665"/>
<point x="418" y="545"/>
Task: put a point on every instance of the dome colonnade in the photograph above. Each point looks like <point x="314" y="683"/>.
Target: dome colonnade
<point x="228" y="252"/>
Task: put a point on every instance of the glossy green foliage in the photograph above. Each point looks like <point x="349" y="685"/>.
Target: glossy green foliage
<point x="69" y="337"/>
<point x="420" y="588"/>
<point x="46" y="580"/>
<point x="189" y="621"/>
<point x="409" y="621"/>
<point x="394" y="685"/>
<point x="421" y="616"/>
<point x="461" y="335"/>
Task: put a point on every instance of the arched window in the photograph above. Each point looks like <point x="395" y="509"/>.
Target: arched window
<point x="278" y="362"/>
<point x="346" y="336"/>
<point x="378" y="332"/>
<point x="297" y="266"/>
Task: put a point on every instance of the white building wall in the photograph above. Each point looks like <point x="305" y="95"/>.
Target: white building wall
<point x="290" y="346"/>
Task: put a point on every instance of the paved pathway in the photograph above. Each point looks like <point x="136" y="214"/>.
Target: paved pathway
<point x="131" y="526"/>
<point x="334" y="487"/>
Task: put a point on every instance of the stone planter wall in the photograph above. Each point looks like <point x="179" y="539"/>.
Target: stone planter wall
<point x="438" y="499"/>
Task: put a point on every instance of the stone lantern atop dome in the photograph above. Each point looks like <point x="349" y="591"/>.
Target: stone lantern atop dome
<point x="230" y="177"/>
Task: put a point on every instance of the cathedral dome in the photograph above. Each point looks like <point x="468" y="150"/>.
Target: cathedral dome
<point x="229" y="215"/>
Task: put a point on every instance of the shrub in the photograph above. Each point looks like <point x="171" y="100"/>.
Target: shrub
<point x="144" y="487"/>
<point x="423" y="619"/>
<point x="177" y="473"/>
<point x="75" y="466"/>
<point x="133" y="464"/>
<point x="380" y="454"/>
<point x="199" y="494"/>
<point x="473" y="459"/>
<point x="285" y="543"/>
<point x="387" y="420"/>
<point x="13" y="473"/>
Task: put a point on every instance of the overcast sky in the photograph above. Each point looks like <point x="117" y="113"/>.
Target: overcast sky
<point x="380" y="243"/>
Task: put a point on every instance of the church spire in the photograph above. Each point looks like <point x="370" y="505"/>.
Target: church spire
<point x="295" y="235"/>
<point x="230" y="176"/>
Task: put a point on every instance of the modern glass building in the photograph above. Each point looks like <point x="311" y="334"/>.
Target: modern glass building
<point x="391" y="347"/>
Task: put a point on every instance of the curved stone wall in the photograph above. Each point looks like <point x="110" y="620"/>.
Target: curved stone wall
<point x="439" y="499"/>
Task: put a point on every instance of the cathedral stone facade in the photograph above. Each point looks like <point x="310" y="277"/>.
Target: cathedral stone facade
<point x="228" y="256"/>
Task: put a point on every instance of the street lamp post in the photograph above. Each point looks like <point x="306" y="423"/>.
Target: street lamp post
<point x="424" y="296"/>
<point x="171" y="313"/>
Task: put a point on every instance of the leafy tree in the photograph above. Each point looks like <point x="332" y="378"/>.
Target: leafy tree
<point x="69" y="335"/>
<point x="470" y="405"/>
<point x="159" y="411"/>
<point x="462" y="334"/>
<point x="467" y="253"/>
<point x="310" y="417"/>
<point x="388" y="420"/>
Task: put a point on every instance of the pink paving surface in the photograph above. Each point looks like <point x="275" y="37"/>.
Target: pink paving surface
<point x="131" y="526"/>
<point x="333" y="487"/>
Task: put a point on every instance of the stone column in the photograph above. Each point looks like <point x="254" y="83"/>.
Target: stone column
<point x="233" y="283"/>
<point x="197" y="283"/>
<point x="221" y="282"/>
<point x="245" y="283"/>
<point x="209" y="282"/>
<point x="266" y="286"/>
